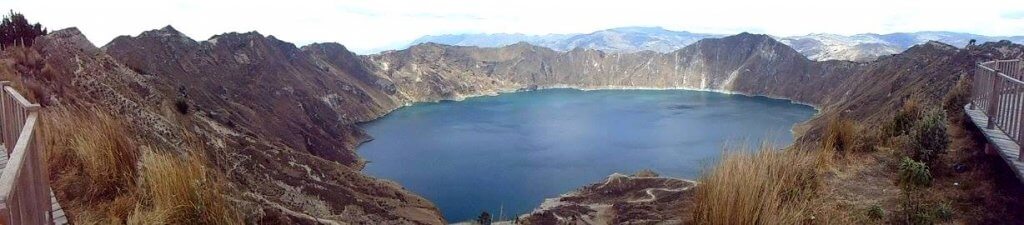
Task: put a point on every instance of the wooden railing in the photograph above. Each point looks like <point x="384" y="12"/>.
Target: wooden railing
<point x="24" y="187"/>
<point x="999" y="92"/>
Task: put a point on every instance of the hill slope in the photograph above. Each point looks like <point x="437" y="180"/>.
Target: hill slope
<point x="281" y="119"/>
<point x="254" y="104"/>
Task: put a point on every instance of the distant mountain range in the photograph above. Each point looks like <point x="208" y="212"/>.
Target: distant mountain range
<point x="867" y="47"/>
<point x="859" y="47"/>
<point x="623" y="39"/>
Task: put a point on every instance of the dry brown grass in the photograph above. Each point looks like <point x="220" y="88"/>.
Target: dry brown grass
<point x="957" y="98"/>
<point x="96" y="146"/>
<point x="102" y="176"/>
<point x="181" y="191"/>
<point x="840" y="135"/>
<point x="28" y="73"/>
<point x="765" y="187"/>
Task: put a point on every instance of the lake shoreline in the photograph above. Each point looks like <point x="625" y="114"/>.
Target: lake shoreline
<point x="559" y="107"/>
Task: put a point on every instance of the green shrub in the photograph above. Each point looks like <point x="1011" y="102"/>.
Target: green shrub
<point x="904" y="119"/>
<point x="914" y="175"/>
<point x="876" y="212"/>
<point x="944" y="212"/>
<point x="929" y="137"/>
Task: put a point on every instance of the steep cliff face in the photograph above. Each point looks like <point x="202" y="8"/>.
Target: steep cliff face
<point x="270" y="87"/>
<point x="271" y="120"/>
<point x="745" y="63"/>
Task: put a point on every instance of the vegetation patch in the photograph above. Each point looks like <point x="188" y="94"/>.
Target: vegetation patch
<point x="929" y="137"/>
<point x="914" y="175"/>
<point x="177" y="190"/>
<point x="16" y="30"/>
<point x="764" y="187"/>
<point x="102" y="176"/>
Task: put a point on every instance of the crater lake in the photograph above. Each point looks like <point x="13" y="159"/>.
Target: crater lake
<point x="510" y="152"/>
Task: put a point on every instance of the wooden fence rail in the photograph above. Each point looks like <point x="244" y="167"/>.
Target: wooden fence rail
<point x="24" y="187"/>
<point x="998" y="90"/>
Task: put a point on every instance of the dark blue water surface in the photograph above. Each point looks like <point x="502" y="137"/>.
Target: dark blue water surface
<point x="516" y="149"/>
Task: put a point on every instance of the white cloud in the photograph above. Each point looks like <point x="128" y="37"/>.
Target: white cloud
<point x="370" y="24"/>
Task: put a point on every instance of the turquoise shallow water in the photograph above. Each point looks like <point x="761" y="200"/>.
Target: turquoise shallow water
<point x="516" y="149"/>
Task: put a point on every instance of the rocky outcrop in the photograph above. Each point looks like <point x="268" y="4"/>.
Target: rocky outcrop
<point x="620" y="199"/>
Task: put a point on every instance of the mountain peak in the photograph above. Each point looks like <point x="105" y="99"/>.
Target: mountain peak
<point x="522" y="44"/>
<point x="236" y="34"/>
<point x="67" y="32"/>
<point x="251" y="35"/>
<point x="750" y="36"/>
<point x="929" y="48"/>
<point x="68" y="35"/>
<point x="166" y="31"/>
<point x="939" y="45"/>
<point x="326" y="46"/>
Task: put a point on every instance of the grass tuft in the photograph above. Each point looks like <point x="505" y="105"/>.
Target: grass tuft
<point x="765" y="187"/>
<point x="102" y="176"/>
<point x="954" y="101"/>
<point x="840" y="135"/>
<point x="96" y="145"/>
<point x="914" y="175"/>
<point x="176" y="190"/>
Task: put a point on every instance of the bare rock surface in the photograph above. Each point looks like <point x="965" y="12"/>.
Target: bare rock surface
<point x="620" y="199"/>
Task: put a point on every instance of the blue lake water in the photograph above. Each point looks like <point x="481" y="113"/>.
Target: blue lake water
<point x="514" y="150"/>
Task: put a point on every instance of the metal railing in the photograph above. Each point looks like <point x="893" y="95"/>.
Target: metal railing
<point x="999" y="92"/>
<point x="24" y="186"/>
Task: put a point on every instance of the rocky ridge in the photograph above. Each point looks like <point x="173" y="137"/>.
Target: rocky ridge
<point x="818" y="47"/>
<point x="281" y="120"/>
<point x="240" y="119"/>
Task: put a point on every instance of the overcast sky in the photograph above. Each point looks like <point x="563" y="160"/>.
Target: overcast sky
<point x="364" y="25"/>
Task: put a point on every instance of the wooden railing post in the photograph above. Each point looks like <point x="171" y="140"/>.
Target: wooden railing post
<point x="993" y="104"/>
<point x="5" y="105"/>
<point x="973" y="75"/>
<point x="37" y="167"/>
<point x="24" y="187"/>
